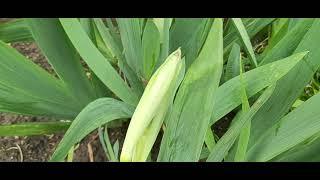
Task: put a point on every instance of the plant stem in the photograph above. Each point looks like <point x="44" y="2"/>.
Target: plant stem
<point x="103" y="143"/>
<point x="113" y="158"/>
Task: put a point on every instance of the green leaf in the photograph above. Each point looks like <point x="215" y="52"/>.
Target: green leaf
<point x="193" y="104"/>
<point x="151" y="48"/>
<point x="187" y="33"/>
<point x="15" y="31"/>
<point x="25" y="88"/>
<point x="238" y="150"/>
<point x="94" y="115"/>
<point x="232" y="68"/>
<point x="245" y="39"/>
<point x="33" y="128"/>
<point x="252" y="25"/>
<point x="205" y="31"/>
<point x="112" y="156"/>
<point x="289" y="87"/>
<point x="209" y="139"/>
<point x="296" y="127"/>
<point x="228" y="95"/>
<point x="54" y="43"/>
<point x="96" y="61"/>
<point x="114" y="50"/>
<point x="230" y="156"/>
<point x="116" y="150"/>
<point x="131" y="37"/>
<point x="70" y="154"/>
<point x="204" y="153"/>
<point x="279" y="30"/>
<point x="288" y="43"/>
<point x="108" y="40"/>
<point x="114" y="31"/>
<point x="100" y="44"/>
<point x="307" y="151"/>
<point x="134" y="81"/>
<point x="278" y="25"/>
<point x="226" y="141"/>
<point x="142" y="22"/>
<point x="245" y="132"/>
<point x="164" y="38"/>
<point x="103" y="141"/>
<point x="159" y="22"/>
<point x="293" y="22"/>
<point x="87" y="25"/>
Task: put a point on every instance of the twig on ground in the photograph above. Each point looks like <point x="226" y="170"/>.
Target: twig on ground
<point x="19" y="149"/>
<point x="90" y="152"/>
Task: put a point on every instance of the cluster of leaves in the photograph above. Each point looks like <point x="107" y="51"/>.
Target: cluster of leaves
<point x="223" y="73"/>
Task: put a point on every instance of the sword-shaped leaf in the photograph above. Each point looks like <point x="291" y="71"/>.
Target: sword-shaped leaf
<point x="188" y="121"/>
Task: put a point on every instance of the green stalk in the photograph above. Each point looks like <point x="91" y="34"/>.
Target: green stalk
<point x="103" y="142"/>
<point x="245" y="132"/>
<point x="70" y="154"/>
<point x="112" y="156"/>
<point x="209" y="139"/>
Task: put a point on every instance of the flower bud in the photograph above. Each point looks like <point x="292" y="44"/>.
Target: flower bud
<point x="152" y="108"/>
